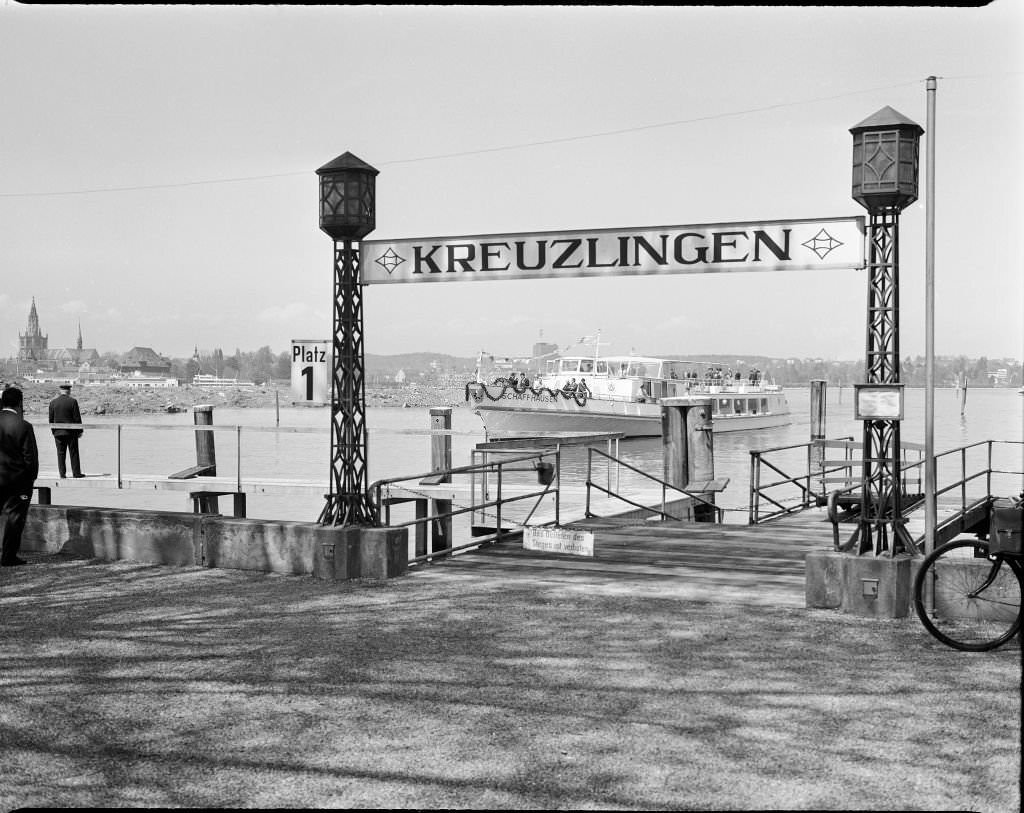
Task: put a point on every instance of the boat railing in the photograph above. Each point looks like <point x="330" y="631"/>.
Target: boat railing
<point x="662" y="512"/>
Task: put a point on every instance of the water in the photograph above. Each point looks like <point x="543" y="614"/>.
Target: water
<point x="399" y="444"/>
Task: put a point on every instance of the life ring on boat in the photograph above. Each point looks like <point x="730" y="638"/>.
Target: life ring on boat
<point x="580" y="398"/>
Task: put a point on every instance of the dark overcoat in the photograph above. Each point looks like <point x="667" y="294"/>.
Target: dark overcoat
<point x="64" y="409"/>
<point x="19" y="456"/>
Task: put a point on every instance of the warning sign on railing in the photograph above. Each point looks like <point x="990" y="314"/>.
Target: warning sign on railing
<point x="559" y="540"/>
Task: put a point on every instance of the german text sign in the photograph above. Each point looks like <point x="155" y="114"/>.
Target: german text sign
<point x="784" y="245"/>
<point x="559" y="540"/>
<point x="311" y="371"/>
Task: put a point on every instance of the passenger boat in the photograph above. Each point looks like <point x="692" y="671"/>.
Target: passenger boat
<point x="622" y="394"/>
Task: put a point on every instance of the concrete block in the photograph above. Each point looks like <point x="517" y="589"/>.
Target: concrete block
<point x="877" y="586"/>
<point x="823" y="587"/>
<point x="336" y="553"/>
<point x="383" y="553"/>
<point x="158" y="537"/>
<point x="256" y="544"/>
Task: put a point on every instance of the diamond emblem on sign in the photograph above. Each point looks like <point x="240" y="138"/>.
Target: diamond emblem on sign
<point x="822" y="244"/>
<point x="389" y="260"/>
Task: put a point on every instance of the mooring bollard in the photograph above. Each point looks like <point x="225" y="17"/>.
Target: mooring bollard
<point x="206" y="456"/>
<point x="687" y="446"/>
<point x="441" y="460"/>
<point x="818" y="401"/>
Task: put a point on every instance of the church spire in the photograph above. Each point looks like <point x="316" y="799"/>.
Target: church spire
<point x="33" y="320"/>
<point x="79" y="334"/>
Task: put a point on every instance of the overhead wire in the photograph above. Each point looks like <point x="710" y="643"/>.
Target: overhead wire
<point x="501" y="148"/>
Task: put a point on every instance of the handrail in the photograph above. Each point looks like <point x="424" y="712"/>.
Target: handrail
<point x="375" y="493"/>
<point x="803" y="481"/>
<point x="719" y="512"/>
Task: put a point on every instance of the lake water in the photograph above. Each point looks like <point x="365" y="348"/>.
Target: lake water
<point x="399" y="444"/>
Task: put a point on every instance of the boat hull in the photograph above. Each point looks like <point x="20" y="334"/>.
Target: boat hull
<point x="525" y="413"/>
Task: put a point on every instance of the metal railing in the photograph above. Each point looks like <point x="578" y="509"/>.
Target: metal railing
<point x="118" y="430"/>
<point x="956" y="473"/>
<point x="421" y="489"/>
<point x="957" y="491"/>
<point x="665" y="487"/>
<point x="794" y="493"/>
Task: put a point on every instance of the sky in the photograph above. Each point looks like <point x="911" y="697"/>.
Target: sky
<point x="158" y="186"/>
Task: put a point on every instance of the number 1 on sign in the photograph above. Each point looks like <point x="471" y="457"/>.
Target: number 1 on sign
<point x="307" y="372"/>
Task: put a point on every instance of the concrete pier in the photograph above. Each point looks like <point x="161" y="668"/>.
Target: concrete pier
<point x="212" y="540"/>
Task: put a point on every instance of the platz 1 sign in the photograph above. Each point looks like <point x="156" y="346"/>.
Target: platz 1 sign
<point x="311" y="371"/>
<point x="784" y="245"/>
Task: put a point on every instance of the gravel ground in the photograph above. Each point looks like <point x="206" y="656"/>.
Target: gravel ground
<point x="131" y="685"/>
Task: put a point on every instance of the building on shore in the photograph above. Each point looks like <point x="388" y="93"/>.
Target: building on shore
<point x="145" y="361"/>
<point x="35" y="353"/>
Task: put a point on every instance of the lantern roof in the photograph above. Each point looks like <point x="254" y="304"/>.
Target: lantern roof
<point x="346" y="161"/>
<point x="884" y="119"/>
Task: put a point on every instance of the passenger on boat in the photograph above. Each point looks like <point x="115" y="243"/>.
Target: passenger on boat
<point x="583" y="389"/>
<point x="570" y="387"/>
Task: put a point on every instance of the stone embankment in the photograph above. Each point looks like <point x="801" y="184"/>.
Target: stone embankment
<point x="115" y="400"/>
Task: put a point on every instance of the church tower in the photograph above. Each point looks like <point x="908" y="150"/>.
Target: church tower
<point x="79" y="345"/>
<point x="32" y="344"/>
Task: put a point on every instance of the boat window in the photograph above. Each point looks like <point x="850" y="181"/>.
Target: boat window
<point x="602" y="367"/>
<point x="569" y="365"/>
<point x="642" y="369"/>
<point x="723" y="405"/>
<point x="738" y="405"/>
<point x="764" y="405"/>
<point x="586" y="366"/>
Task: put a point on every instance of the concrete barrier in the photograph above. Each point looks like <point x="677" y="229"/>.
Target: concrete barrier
<point x="876" y="587"/>
<point x="212" y="540"/>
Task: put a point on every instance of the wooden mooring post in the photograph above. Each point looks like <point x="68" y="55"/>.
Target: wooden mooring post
<point x="688" y="449"/>
<point x="206" y="457"/>
<point x="819" y="399"/>
<point x="440" y="461"/>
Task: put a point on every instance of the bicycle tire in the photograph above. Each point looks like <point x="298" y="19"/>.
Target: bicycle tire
<point x="961" y="619"/>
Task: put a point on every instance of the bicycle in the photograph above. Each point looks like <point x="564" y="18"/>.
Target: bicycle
<point x="976" y="585"/>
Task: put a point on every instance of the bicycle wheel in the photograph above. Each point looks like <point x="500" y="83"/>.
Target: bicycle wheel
<point x="976" y="596"/>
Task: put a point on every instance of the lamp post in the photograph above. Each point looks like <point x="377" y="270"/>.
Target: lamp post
<point x="885" y="173"/>
<point x="347" y="214"/>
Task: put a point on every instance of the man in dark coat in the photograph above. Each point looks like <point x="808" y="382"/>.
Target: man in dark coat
<point x="64" y="409"/>
<point x="19" y="467"/>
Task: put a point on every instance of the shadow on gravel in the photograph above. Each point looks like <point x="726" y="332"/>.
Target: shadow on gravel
<point x="136" y="685"/>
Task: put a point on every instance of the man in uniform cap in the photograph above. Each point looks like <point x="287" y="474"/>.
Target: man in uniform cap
<point x="64" y="409"/>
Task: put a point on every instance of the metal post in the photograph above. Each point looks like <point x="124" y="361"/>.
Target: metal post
<point x="347" y="502"/>
<point x="881" y="528"/>
<point x="930" y="507"/>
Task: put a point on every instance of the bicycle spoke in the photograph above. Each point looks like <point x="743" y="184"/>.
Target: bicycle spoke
<point x="977" y="599"/>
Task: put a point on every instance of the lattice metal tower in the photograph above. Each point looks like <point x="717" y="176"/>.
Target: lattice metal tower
<point x="347" y="214"/>
<point x="885" y="172"/>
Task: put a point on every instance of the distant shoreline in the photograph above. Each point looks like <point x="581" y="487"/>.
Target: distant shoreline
<point x="111" y="400"/>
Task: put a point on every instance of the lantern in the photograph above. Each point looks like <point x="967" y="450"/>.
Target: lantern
<point x="347" y="198"/>
<point x="885" y="159"/>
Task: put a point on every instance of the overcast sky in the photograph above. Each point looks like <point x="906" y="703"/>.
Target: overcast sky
<point x="157" y="168"/>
